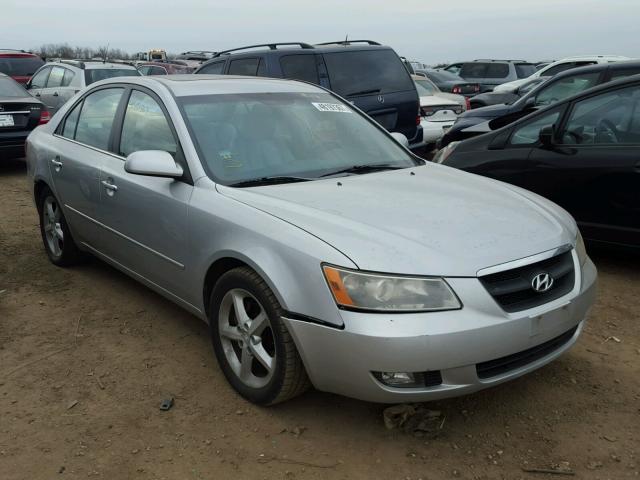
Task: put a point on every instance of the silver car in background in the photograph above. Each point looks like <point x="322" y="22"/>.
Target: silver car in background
<point x="318" y="248"/>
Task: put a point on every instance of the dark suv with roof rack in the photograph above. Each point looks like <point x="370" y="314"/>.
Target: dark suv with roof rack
<point x="369" y="75"/>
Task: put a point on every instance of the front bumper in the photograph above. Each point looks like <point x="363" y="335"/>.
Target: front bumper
<point x="454" y="342"/>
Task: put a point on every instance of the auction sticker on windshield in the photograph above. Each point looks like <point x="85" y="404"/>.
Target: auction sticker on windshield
<point x="331" y="107"/>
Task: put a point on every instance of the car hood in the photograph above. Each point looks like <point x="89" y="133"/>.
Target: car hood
<point x="429" y="220"/>
<point x="491" y="111"/>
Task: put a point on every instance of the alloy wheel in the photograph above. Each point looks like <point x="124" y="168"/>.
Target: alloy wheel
<point x="51" y="220"/>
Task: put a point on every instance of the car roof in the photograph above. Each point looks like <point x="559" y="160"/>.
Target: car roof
<point x="184" y="85"/>
<point x="17" y="53"/>
<point x="90" y="64"/>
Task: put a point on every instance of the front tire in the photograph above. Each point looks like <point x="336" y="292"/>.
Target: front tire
<point x="56" y="236"/>
<point x="253" y="346"/>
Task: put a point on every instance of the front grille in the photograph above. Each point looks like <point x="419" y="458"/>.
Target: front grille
<point x="503" y="365"/>
<point x="513" y="290"/>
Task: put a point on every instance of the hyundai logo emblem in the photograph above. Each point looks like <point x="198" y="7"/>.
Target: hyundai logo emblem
<point x="380" y="98"/>
<point x="542" y="282"/>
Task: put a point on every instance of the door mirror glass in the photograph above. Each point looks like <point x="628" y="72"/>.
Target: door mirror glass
<point x="153" y="163"/>
<point x="400" y="138"/>
<point x="547" y="136"/>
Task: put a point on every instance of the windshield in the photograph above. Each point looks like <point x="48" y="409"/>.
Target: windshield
<point x="17" y="66"/>
<point x="9" y="88"/>
<point x="425" y="88"/>
<point x="95" y="74"/>
<point x="366" y="72"/>
<point x="242" y="137"/>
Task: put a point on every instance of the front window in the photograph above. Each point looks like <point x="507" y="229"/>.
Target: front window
<point x="528" y="133"/>
<point x="96" y="74"/>
<point x="306" y="135"/>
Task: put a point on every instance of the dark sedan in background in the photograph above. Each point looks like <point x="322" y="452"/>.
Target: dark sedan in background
<point x="482" y="120"/>
<point x="19" y="114"/>
<point x="449" y="82"/>
<point x="582" y="153"/>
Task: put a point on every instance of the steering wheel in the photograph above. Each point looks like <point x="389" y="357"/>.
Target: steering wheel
<point x="608" y="130"/>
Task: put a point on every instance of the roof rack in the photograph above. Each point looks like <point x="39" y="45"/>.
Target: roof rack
<point x="199" y="52"/>
<point x="75" y="63"/>
<point x="272" y="46"/>
<point x="349" y="42"/>
<point x="499" y="60"/>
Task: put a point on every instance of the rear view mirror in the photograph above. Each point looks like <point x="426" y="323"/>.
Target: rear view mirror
<point x="153" y="163"/>
<point x="400" y="138"/>
<point x="547" y="136"/>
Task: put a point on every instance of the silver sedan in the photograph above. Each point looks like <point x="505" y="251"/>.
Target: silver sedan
<point x="319" y="250"/>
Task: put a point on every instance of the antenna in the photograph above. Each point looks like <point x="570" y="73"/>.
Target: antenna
<point x="106" y="54"/>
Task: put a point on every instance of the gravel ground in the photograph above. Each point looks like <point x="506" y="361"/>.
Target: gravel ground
<point x="87" y="355"/>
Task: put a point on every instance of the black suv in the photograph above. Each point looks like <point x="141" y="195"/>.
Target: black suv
<point x="367" y="74"/>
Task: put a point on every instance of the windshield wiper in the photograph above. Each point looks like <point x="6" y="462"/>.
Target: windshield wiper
<point x="363" y="92"/>
<point x="256" y="182"/>
<point x="358" y="169"/>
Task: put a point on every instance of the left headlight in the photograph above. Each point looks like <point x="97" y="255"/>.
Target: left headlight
<point x="389" y="293"/>
<point x="580" y="249"/>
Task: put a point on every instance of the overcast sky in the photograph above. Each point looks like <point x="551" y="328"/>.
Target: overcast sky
<point x="427" y="30"/>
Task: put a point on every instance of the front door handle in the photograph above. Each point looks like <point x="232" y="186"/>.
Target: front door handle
<point x="111" y="188"/>
<point x="37" y="94"/>
<point x="55" y="94"/>
<point x="57" y="164"/>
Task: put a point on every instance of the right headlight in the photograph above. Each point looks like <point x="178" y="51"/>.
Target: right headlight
<point x="358" y="290"/>
<point x="580" y="249"/>
<point x="444" y="153"/>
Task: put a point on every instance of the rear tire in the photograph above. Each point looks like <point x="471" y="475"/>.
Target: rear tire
<point x="56" y="236"/>
<point x="252" y="344"/>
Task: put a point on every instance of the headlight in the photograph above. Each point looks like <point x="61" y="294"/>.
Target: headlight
<point x="444" y="153"/>
<point x="580" y="249"/>
<point x="389" y="293"/>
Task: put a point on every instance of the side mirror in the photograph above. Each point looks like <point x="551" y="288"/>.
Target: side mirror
<point x="400" y="138"/>
<point x="153" y="163"/>
<point x="547" y="136"/>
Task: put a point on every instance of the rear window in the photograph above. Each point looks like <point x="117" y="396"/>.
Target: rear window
<point x="244" y="66"/>
<point x="20" y="66"/>
<point x="10" y="88"/>
<point x="96" y="74"/>
<point x="524" y="70"/>
<point x="367" y="72"/>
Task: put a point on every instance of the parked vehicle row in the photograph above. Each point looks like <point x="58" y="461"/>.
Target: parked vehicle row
<point x="559" y="87"/>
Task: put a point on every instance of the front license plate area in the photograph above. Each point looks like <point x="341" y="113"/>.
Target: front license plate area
<point x="6" y="121"/>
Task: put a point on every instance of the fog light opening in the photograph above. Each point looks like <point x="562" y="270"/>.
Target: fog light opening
<point x="399" y="379"/>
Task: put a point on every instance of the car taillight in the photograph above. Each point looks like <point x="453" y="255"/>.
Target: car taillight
<point x="468" y="102"/>
<point x="45" y="116"/>
<point x="456" y="89"/>
<point x="426" y="112"/>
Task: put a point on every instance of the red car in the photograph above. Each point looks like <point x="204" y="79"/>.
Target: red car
<point x="19" y="65"/>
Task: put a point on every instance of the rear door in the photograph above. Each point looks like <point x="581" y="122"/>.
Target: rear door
<point x="377" y="82"/>
<point x="145" y="218"/>
<point x="77" y="151"/>
<point x="594" y="172"/>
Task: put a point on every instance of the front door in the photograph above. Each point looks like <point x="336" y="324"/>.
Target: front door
<point x="145" y="218"/>
<point x="594" y="170"/>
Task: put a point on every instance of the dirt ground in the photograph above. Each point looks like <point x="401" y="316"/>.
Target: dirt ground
<point x="87" y="355"/>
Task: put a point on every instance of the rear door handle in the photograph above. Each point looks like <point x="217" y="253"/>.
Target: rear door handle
<point x="109" y="186"/>
<point x="37" y="94"/>
<point x="57" y="164"/>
